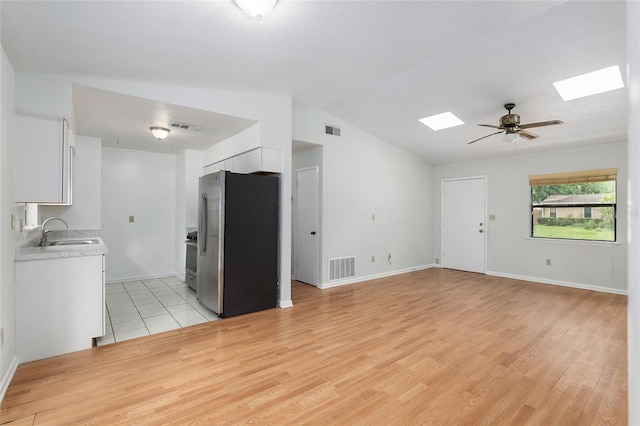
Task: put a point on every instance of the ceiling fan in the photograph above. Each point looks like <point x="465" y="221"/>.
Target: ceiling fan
<point x="510" y="125"/>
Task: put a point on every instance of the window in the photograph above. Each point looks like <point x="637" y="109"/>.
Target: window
<point x="574" y="206"/>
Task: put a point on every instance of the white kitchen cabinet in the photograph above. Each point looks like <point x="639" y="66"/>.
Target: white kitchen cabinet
<point x="44" y="160"/>
<point x="258" y="160"/>
<point x="220" y="165"/>
<point x="60" y="305"/>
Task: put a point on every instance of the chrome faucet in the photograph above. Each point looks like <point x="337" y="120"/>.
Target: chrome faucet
<point x="43" y="238"/>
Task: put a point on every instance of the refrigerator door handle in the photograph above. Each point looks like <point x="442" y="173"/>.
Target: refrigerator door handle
<point x="202" y="238"/>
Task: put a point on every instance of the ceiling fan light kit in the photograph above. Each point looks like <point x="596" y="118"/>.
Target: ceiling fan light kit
<point x="510" y="137"/>
<point x="512" y="129"/>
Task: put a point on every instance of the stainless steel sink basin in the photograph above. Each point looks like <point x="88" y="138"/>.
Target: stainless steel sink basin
<point x="86" y="241"/>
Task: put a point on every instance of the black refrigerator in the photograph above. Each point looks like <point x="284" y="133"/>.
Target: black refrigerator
<point x="238" y="219"/>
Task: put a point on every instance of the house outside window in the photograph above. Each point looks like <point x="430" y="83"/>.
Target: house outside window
<point x="574" y="205"/>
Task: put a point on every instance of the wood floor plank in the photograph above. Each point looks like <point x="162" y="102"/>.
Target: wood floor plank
<point x="428" y="347"/>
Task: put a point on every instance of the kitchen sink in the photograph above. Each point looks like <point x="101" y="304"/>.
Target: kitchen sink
<point x="72" y="242"/>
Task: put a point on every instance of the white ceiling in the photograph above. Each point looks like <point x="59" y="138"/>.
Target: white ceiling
<point x="379" y="65"/>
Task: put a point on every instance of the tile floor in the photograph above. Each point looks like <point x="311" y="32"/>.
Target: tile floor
<point x="142" y="308"/>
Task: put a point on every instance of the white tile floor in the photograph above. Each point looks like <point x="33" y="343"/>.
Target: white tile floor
<point x="142" y="308"/>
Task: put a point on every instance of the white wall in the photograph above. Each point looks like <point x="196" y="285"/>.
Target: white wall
<point x="633" y="323"/>
<point x="510" y="252"/>
<point x="87" y="168"/>
<point x="188" y="170"/>
<point x="143" y="185"/>
<point x="243" y="141"/>
<point x="179" y="205"/>
<point x="365" y="176"/>
<point x="8" y="359"/>
<point x="193" y="171"/>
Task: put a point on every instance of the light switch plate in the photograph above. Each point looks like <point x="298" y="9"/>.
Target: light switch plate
<point x="131" y="220"/>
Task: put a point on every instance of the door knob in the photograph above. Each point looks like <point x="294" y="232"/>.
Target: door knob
<point x="313" y="232"/>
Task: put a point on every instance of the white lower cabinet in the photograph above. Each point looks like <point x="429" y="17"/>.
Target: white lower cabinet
<point x="60" y="305"/>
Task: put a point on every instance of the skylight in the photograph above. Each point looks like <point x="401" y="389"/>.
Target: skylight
<point x="590" y="83"/>
<point x="441" y="121"/>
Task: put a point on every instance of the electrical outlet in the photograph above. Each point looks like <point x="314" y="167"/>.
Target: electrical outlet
<point x="373" y="217"/>
<point x="548" y="262"/>
<point x="131" y="219"/>
<point x="437" y="261"/>
<point x="373" y="258"/>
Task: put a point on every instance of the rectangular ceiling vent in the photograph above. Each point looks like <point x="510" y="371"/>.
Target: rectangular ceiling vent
<point x="332" y="130"/>
<point x="184" y="126"/>
<point x="342" y="267"/>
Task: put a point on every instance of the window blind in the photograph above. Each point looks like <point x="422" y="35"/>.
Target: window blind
<point x="601" y="175"/>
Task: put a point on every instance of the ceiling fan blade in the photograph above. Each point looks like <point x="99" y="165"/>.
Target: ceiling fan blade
<point x="479" y="139"/>
<point x="540" y="124"/>
<point x="527" y="135"/>
<point x="491" y="125"/>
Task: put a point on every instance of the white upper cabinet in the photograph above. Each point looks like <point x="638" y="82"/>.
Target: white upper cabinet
<point x="44" y="160"/>
<point x="258" y="160"/>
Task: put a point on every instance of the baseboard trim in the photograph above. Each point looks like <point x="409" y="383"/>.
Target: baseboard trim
<point x="354" y="280"/>
<point x="285" y="303"/>
<point x="141" y="278"/>
<point x="8" y="376"/>
<point x="559" y="283"/>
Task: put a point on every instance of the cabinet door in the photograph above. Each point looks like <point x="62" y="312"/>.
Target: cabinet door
<point x="59" y="305"/>
<point x="43" y="160"/>
<point x="249" y="162"/>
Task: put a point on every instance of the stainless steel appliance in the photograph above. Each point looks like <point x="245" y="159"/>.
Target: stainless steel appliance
<point x="191" y="261"/>
<point x="238" y="242"/>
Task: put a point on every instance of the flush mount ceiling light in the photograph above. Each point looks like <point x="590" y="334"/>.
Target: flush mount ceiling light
<point x="159" y="132"/>
<point x="441" y="121"/>
<point x="256" y="8"/>
<point x="590" y="83"/>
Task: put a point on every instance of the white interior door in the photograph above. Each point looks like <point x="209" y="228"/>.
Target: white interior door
<point x="306" y="243"/>
<point x="463" y="224"/>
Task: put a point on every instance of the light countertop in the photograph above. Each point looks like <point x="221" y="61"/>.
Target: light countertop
<point x="29" y="249"/>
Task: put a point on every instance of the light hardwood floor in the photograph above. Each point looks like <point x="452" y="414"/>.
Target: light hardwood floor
<point x="428" y="347"/>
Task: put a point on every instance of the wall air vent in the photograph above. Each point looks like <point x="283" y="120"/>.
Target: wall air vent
<point x="184" y="126"/>
<point x="331" y="130"/>
<point x="342" y="267"/>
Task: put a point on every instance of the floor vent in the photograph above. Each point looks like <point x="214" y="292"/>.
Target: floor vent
<point x="342" y="267"/>
<point x="330" y="130"/>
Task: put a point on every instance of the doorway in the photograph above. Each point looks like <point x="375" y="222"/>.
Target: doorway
<point x="306" y="233"/>
<point x="464" y="224"/>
